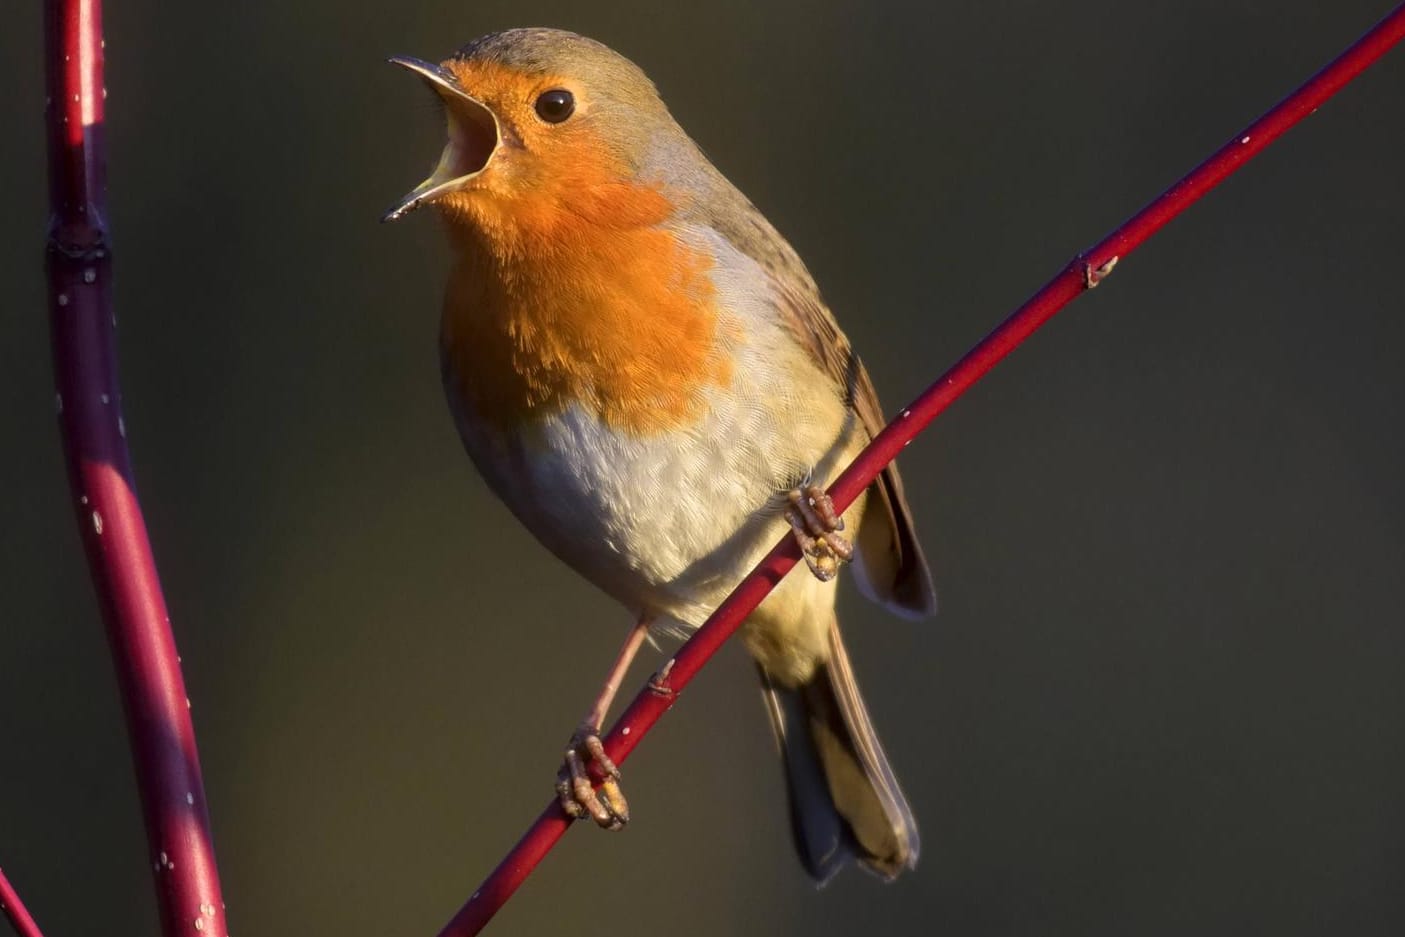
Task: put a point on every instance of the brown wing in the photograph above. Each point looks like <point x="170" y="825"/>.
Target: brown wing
<point x="888" y="528"/>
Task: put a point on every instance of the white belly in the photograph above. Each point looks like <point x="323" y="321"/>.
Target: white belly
<point x="669" y="523"/>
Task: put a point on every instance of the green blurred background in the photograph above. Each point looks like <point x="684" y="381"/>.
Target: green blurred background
<point x="1164" y="693"/>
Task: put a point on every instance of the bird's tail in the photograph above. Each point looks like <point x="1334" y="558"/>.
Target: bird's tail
<point x="845" y="803"/>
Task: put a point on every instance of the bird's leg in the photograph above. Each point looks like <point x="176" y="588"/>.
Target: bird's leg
<point x="574" y="786"/>
<point x="816" y="526"/>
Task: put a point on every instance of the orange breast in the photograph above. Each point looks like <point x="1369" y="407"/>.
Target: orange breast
<point x="575" y="295"/>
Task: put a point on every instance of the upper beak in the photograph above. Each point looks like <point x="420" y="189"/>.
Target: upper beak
<point x="474" y="136"/>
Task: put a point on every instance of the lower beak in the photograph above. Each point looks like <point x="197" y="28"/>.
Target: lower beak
<point x="474" y="137"/>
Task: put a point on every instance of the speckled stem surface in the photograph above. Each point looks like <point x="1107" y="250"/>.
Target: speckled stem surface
<point x="89" y="405"/>
<point x="14" y="910"/>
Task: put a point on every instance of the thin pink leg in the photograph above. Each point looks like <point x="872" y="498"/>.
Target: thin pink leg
<point x="574" y="787"/>
<point x="632" y="642"/>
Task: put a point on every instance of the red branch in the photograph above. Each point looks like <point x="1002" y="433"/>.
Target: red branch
<point x="1083" y="273"/>
<point x="14" y="910"/>
<point x="100" y="476"/>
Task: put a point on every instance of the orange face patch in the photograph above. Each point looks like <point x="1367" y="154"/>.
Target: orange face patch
<point x="568" y="287"/>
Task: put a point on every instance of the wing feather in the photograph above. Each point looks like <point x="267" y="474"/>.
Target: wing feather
<point x="906" y="583"/>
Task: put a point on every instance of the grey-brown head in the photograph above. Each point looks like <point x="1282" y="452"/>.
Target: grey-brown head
<point x="526" y="106"/>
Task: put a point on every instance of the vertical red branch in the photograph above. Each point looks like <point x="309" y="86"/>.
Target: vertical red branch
<point x="1085" y="272"/>
<point x="14" y="910"/>
<point x="88" y="401"/>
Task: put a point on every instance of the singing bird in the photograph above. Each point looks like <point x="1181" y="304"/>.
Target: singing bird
<point x="643" y="370"/>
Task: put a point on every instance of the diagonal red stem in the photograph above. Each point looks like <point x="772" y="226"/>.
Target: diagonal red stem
<point x="110" y="521"/>
<point x="14" y="910"/>
<point x="1084" y="272"/>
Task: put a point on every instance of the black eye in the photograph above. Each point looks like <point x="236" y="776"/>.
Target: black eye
<point x="556" y="105"/>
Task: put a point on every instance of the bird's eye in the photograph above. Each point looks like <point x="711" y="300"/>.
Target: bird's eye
<point x="555" y="105"/>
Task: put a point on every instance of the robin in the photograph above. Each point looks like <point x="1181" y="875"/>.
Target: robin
<point x="643" y="370"/>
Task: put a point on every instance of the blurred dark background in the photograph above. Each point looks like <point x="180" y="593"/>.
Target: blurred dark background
<point x="1164" y="693"/>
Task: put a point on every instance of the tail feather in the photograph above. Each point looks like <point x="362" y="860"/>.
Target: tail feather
<point x="845" y="803"/>
<point x="822" y="838"/>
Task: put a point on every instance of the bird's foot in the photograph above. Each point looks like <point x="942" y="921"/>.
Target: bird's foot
<point x="575" y="789"/>
<point x="816" y="527"/>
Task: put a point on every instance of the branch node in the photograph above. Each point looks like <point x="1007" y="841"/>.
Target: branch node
<point x="1092" y="276"/>
<point x="90" y="250"/>
<point x="658" y="683"/>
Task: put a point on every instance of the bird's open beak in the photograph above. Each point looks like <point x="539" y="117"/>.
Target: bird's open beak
<point x="474" y="136"/>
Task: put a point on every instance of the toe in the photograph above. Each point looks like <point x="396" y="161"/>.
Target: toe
<point x="583" y="793"/>
<point x="816" y="526"/>
<point x="808" y="544"/>
<point x="839" y="546"/>
<point x="803" y="508"/>
<point x="596" y="750"/>
<point x="615" y="803"/>
<point x="566" y="796"/>
<point x="823" y="507"/>
<point x="824" y="565"/>
<point x="575" y="788"/>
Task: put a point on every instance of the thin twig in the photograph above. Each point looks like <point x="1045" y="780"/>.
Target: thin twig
<point x="1084" y="272"/>
<point x="88" y="400"/>
<point x="14" y="910"/>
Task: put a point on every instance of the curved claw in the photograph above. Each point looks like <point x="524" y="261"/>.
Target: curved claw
<point x="566" y="798"/>
<point x="575" y="790"/>
<point x="816" y="526"/>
